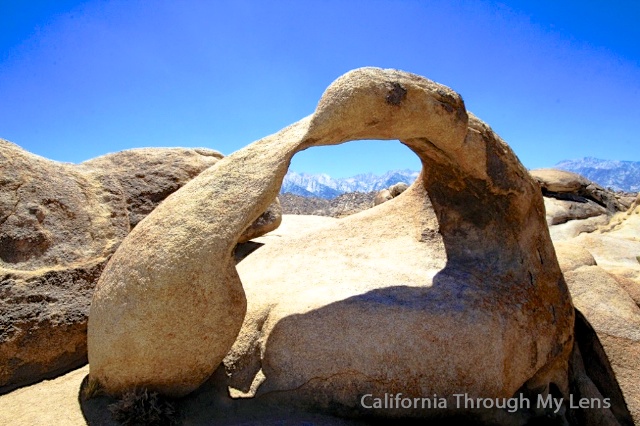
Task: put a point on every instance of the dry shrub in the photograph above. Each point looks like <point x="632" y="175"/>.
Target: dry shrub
<point x="139" y="407"/>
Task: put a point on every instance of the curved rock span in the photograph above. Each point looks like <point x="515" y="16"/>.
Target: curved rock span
<point x="485" y="312"/>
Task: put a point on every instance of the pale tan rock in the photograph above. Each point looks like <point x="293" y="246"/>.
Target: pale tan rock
<point x="571" y="229"/>
<point x="61" y="402"/>
<point x="627" y="200"/>
<point x="555" y="180"/>
<point x="610" y="250"/>
<point x="389" y="193"/>
<point x="293" y="224"/>
<point x="616" y="319"/>
<point x="398" y="189"/>
<point x="382" y="196"/>
<point x="54" y="214"/>
<point x="572" y="256"/>
<point x="59" y="224"/>
<point x="317" y="324"/>
<point x="51" y="402"/>
<point x="574" y="187"/>
<point x="593" y="378"/>
<point x="608" y="294"/>
<point x="147" y="176"/>
<point x="574" y="205"/>
<point x="628" y="279"/>
<point x="562" y="211"/>
<point x="626" y="224"/>
<point x="170" y="304"/>
<point x="329" y="332"/>
<point x="616" y="248"/>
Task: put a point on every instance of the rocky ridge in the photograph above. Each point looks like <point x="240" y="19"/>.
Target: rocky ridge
<point x="340" y="206"/>
<point x="324" y="186"/>
<point x="617" y="175"/>
<point x="587" y="199"/>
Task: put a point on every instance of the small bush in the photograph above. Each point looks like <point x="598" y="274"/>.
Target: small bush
<point x="139" y="407"/>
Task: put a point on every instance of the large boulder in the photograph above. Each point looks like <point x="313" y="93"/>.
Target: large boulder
<point x="602" y="270"/>
<point x="382" y="196"/>
<point x="473" y="303"/>
<point x="390" y="193"/>
<point x="574" y="204"/>
<point x="559" y="183"/>
<point x="59" y="224"/>
<point x="616" y="320"/>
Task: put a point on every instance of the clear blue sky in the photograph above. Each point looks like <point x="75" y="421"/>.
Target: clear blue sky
<point x="556" y="79"/>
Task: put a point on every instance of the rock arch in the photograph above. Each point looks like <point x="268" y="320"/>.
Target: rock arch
<point x="170" y="304"/>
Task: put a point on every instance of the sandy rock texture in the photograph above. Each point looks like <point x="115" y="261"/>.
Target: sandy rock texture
<point x="60" y="402"/>
<point x="59" y="224"/>
<point x="390" y="193"/>
<point x="574" y="204"/>
<point x="484" y="274"/>
<point x="50" y="402"/>
<point x="603" y="273"/>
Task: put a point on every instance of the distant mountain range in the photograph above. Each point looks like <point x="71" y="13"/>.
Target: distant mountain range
<point x="617" y="175"/>
<point x="324" y="186"/>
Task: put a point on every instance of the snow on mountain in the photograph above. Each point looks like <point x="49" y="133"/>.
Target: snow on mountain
<point x="324" y="186"/>
<point x="618" y="175"/>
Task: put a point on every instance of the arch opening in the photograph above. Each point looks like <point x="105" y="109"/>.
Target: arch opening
<point x="492" y="294"/>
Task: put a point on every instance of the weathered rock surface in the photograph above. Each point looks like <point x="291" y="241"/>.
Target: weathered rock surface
<point x="59" y="224"/>
<point x="398" y="189"/>
<point x="382" y="196"/>
<point x="574" y="204"/>
<point x="603" y="274"/>
<point x="616" y="319"/>
<point x="50" y="402"/>
<point x="562" y="211"/>
<point x="56" y="402"/>
<point x="559" y="183"/>
<point x="390" y="193"/>
<point x="147" y="176"/>
<point x="478" y="272"/>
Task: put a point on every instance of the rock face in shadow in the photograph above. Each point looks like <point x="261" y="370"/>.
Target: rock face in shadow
<point x="59" y="224"/>
<point x="481" y="308"/>
<point x="603" y="274"/>
<point x="593" y="378"/>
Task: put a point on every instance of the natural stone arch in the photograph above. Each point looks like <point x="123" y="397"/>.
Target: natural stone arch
<point x="169" y="305"/>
